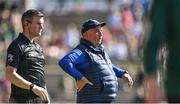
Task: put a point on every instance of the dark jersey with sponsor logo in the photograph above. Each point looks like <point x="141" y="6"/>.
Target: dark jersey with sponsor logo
<point x="27" y="57"/>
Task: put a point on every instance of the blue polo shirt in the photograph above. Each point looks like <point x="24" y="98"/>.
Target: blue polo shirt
<point x="80" y="59"/>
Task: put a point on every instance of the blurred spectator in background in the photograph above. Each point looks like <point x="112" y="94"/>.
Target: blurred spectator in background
<point x="126" y="25"/>
<point x="165" y="18"/>
<point x="127" y="28"/>
<point x="9" y="24"/>
<point x="138" y="29"/>
<point x="114" y="21"/>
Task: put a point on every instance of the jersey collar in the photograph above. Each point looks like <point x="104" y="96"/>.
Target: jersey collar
<point x="22" y="36"/>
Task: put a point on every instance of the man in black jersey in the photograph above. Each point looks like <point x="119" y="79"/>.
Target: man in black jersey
<point x="25" y="62"/>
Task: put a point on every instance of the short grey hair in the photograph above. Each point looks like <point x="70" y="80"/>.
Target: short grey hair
<point x="29" y="14"/>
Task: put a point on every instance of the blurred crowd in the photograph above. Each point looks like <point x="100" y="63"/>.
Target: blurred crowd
<point x="124" y="33"/>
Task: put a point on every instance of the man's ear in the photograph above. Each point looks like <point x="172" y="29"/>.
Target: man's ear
<point x="26" y="22"/>
<point x="85" y="35"/>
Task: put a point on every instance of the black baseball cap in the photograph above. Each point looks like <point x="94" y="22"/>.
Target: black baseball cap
<point x="89" y="24"/>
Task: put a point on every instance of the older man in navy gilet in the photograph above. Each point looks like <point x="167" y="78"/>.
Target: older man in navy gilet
<point x="96" y="77"/>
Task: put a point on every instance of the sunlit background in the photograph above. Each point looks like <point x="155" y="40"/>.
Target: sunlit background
<point x="124" y="39"/>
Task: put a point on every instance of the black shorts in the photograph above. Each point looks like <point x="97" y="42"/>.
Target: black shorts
<point x="25" y="98"/>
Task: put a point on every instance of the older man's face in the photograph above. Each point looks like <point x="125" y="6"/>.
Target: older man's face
<point x="95" y="35"/>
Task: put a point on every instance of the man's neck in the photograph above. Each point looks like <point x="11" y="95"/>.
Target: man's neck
<point x="28" y="36"/>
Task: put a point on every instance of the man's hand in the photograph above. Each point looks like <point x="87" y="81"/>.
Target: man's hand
<point x="82" y="82"/>
<point x="128" y="78"/>
<point x="41" y="92"/>
<point x="16" y="79"/>
<point x="153" y="93"/>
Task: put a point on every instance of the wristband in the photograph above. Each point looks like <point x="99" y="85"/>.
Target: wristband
<point x="31" y="86"/>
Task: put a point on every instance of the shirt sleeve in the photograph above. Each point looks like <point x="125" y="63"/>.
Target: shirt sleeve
<point x="118" y="71"/>
<point x="68" y="62"/>
<point x="13" y="55"/>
